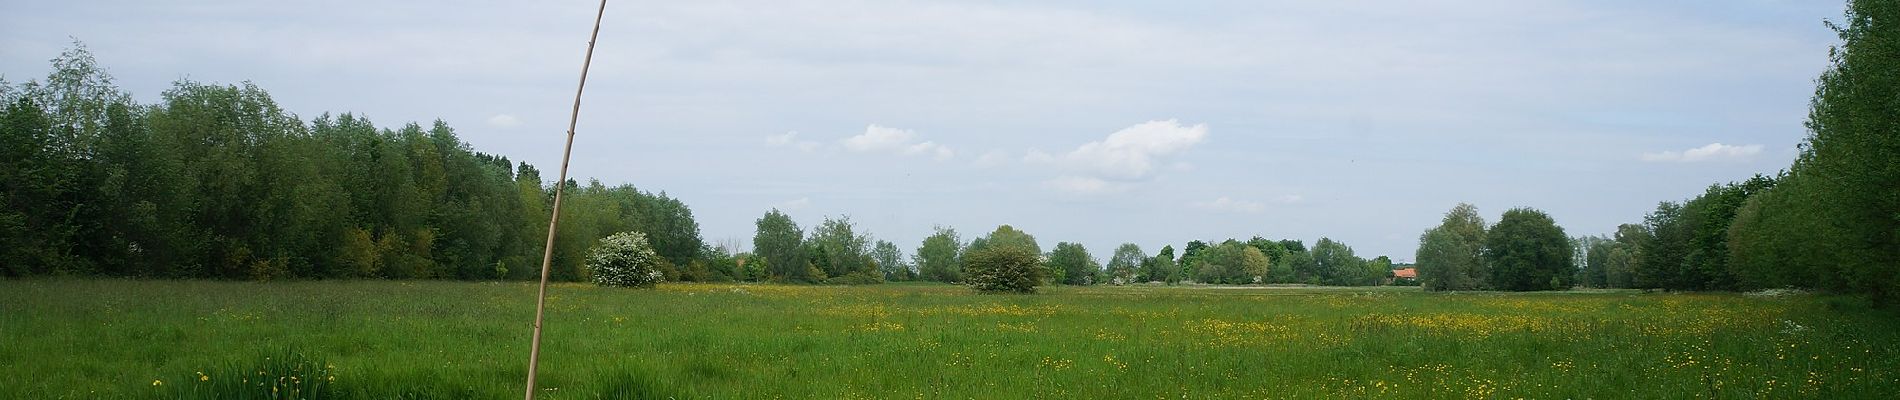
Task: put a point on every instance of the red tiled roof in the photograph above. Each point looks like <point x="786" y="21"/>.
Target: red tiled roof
<point x="1411" y="273"/>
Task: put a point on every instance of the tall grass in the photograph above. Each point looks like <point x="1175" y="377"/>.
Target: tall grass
<point x="114" y="338"/>
<point x="288" y="374"/>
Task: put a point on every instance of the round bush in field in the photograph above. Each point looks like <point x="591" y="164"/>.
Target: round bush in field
<point x="1003" y="269"/>
<point x="625" y="260"/>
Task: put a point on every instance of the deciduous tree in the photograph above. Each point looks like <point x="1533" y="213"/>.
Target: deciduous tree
<point x="1077" y="266"/>
<point x="1126" y="265"/>
<point x="1528" y="251"/>
<point x="1451" y="255"/>
<point x="1233" y="262"/>
<point x="890" y="261"/>
<point x="1335" y="264"/>
<point x="780" y="245"/>
<point x="939" y="258"/>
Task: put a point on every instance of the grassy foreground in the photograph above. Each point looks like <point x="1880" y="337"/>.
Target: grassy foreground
<point x="377" y="339"/>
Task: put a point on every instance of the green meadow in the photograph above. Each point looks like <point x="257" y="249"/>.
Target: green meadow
<point x="434" y="339"/>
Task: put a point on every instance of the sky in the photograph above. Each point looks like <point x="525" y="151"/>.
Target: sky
<point x="1094" y="122"/>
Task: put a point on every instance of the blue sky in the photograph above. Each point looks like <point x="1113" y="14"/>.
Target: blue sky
<point x="1091" y="122"/>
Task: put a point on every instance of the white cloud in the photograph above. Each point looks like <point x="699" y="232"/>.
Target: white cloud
<point x="1225" y="204"/>
<point x="902" y="141"/>
<point x="937" y="151"/>
<point x="877" y="138"/>
<point x="1713" y="151"/>
<point x="504" y="121"/>
<point x="1084" y="185"/>
<point x="791" y="139"/>
<point x="1131" y="153"/>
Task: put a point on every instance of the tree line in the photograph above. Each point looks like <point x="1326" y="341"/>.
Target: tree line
<point x="834" y="252"/>
<point x="217" y="181"/>
<point x="1830" y="221"/>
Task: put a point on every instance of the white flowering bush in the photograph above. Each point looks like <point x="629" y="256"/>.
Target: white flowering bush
<point x="625" y="260"/>
<point x="1006" y="268"/>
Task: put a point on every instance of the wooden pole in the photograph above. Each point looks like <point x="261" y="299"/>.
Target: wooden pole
<point x="554" y="220"/>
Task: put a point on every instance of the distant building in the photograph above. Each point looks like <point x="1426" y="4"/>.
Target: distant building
<point x="1407" y="276"/>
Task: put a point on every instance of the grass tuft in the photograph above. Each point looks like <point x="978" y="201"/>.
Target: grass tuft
<point x="287" y="374"/>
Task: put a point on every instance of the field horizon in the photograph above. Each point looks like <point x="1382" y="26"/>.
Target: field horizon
<point x="113" y="338"/>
